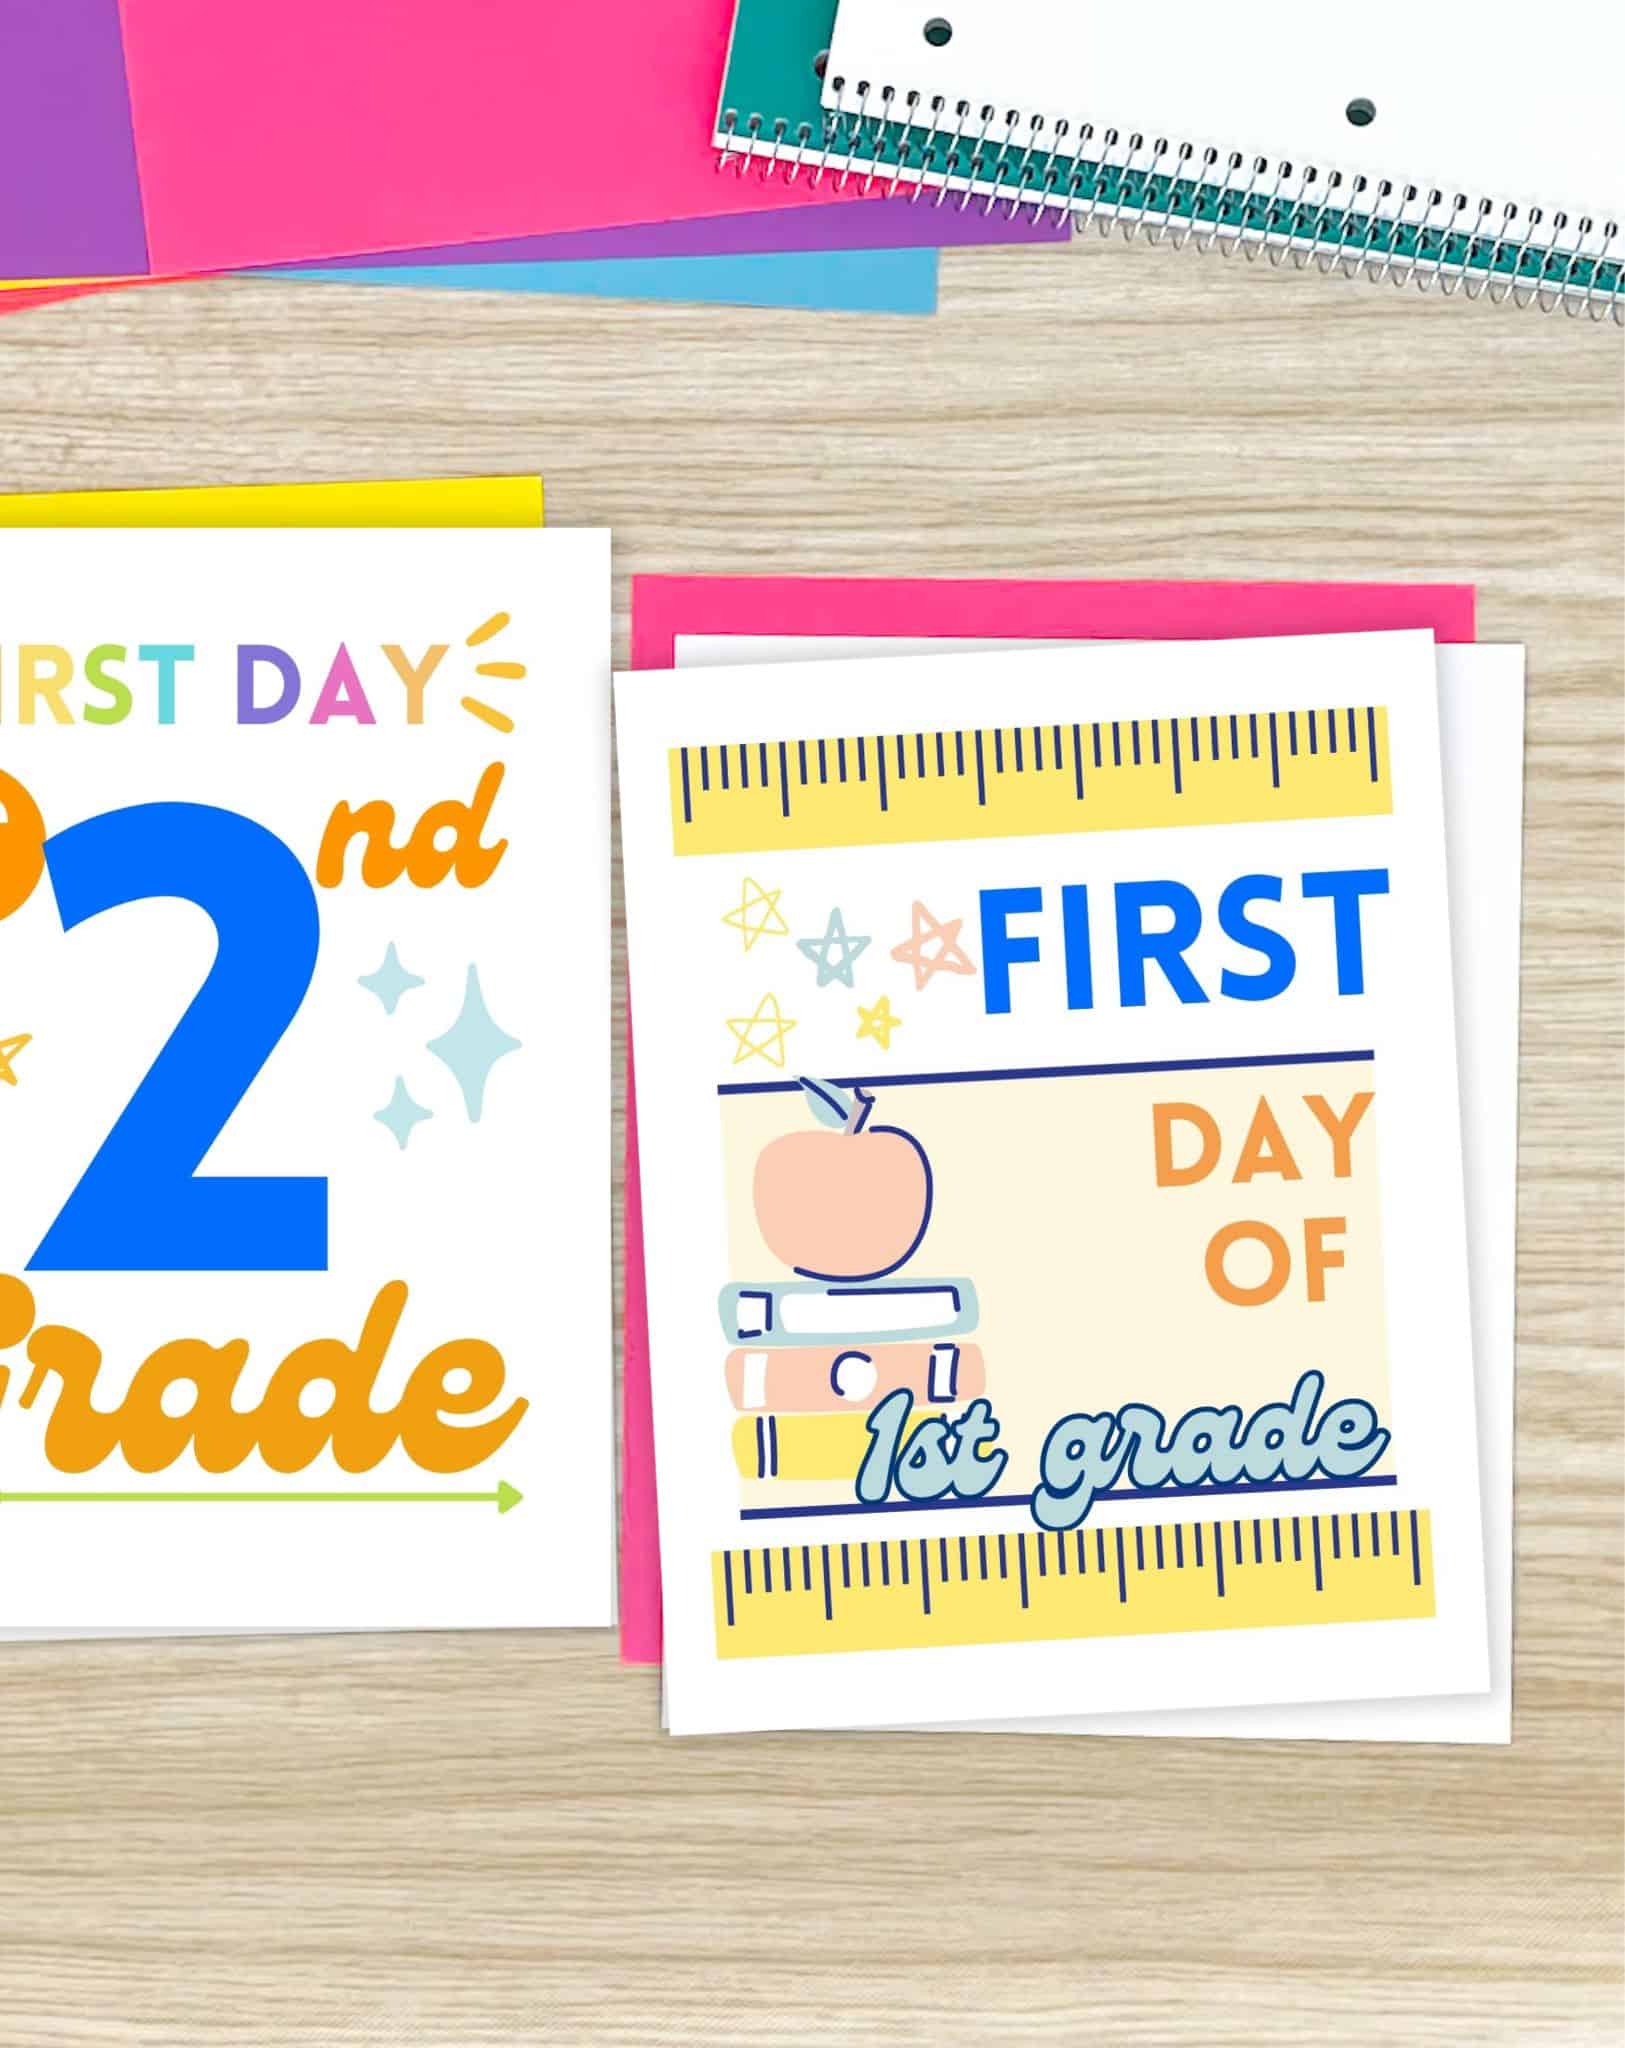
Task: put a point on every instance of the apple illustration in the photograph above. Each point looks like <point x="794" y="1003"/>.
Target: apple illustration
<point x="847" y="1201"/>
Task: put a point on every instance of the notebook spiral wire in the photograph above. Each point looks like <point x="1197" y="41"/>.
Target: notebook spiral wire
<point x="1155" y="190"/>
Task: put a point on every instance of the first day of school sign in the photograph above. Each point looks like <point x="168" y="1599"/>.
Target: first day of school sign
<point x="304" y="1080"/>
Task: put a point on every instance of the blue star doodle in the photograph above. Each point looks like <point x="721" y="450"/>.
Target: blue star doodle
<point x="819" y="951"/>
<point x="400" y="1115"/>
<point x="390" y="981"/>
<point x="472" y="1047"/>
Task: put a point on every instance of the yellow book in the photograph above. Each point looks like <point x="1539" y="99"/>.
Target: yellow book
<point x="806" y="1446"/>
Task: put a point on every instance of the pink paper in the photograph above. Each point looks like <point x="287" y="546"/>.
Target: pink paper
<point x="305" y="130"/>
<point x="917" y="609"/>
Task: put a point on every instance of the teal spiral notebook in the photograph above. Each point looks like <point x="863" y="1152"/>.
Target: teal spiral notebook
<point x="1467" y="149"/>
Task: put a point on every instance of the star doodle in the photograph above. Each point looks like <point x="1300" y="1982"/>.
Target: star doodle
<point x="473" y="1045"/>
<point x="400" y="1114"/>
<point x="9" y="1049"/>
<point x="757" y="915"/>
<point x="818" y="951"/>
<point x="878" y="1023"/>
<point x="390" y="981"/>
<point x="774" y="1027"/>
<point x="949" y="957"/>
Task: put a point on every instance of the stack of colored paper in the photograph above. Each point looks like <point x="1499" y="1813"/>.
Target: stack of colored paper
<point x="507" y="147"/>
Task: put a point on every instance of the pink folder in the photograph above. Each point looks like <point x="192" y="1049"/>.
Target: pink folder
<point x="916" y="609"/>
<point x="165" y="137"/>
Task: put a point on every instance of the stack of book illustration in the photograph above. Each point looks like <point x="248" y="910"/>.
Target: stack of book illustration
<point x="814" y="1359"/>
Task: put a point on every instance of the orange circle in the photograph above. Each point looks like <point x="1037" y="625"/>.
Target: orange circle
<point x="16" y="1311"/>
<point x="22" y="845"/>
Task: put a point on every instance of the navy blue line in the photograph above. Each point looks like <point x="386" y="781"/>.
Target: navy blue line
<point x="784" y="779"/>
<point x="1354" y="1531"/>
<point x="1173" y="727"/>
<point x="959" y="753"/>
<point x="1353" y="742"/>
<point x="705" y="768"/>
<point x="1095" y="728"/>
<point x="1159" y="1546"/>
<point x="1016" y="731"/>
<point x="1082" y="1073"/>
<point x="880" y="764"/>
<point x="1213" y="727"/>
<point x="919" y="753"/>
<point x="1313" y="746"/>
<point x="728" y="1585"/>
<point x="1134" y="740"/>
<point x="1077" y="761"/>
<point x="1043" y="1568"/>
<point x="1122" y="1576"/>
<point x="829" y="1604"/>
<point x="1314" y="1524"/>
<point x="981" y="773"/>
<point x="802" y="744"/>
<point x="1371" y="737"/>
<point x="1337" y="1541"/>
<point x="840" y="760"/>
<point x="1197" y="1532"/>
<point x="942" y="759"/>
<point x="1083" y="1564"/>
<point x="1275" y="755"/>
<point x="722" y="763"/>
<point x="1117" y="745"/>
<point x="823" y="763"/>
<point x="745" y="1558"/>
<point x="1235" y="739"/>
<point x="863" y="759"/>
<point x="1100" y="1549"/>
<point x="1218" y="1557"/>
<point x="925" y="1578"/>
<point x="846" y="1568"/>
<point x="763" y="745"/>
<point x="806" y="1567"/>
<point x="1292" y="734"/>
<point x="688" y="808"/>
<point x="1331" y="730"/>
<point x="1004" y="1568"/>
<point x="1416" y="1552"/>
<point x="1196" y="741"/>
<point x="1019" y="1500"/>
<point x="1156" y="744"/>
<point x="1139" y="1547"/>
<point x="744" y="767"/>
<point x="767" y="1571"/>
<point x="902" y="1559"/>
<point x="902" y="771"/>
<point x="1021" y="1559"/>
<point x="1252" y="728"/>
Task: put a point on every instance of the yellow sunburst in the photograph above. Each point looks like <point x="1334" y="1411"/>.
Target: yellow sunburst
<point x="497" y="671"/>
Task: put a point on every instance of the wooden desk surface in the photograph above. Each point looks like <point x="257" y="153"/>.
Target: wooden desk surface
<point x="448" y="1841"/>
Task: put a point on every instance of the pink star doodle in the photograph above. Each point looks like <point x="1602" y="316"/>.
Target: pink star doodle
<point x="949" y="956"/>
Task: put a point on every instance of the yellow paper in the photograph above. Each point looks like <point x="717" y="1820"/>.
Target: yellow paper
<point x="410" y="501"/>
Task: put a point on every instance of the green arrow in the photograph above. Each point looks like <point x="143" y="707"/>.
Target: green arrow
<point x="505" y="1497"/>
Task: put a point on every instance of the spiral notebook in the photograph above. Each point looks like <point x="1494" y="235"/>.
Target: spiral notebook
<point x="1472" y="149"/>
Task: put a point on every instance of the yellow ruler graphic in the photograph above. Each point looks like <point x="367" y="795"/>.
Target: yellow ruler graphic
<point x="1027" y="1586"/>
<point x="1000" y="782"/>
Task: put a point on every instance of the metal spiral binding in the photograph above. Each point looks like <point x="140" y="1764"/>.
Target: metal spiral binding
<point x="1157" y="190"/>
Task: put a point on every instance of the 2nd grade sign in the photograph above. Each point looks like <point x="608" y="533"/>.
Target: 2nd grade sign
<point x="304" y="1262"/>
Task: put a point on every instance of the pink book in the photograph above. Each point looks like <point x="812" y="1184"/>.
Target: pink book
<point x="915" y="609"/>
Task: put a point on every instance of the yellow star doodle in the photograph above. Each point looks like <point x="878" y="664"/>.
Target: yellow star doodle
<point x="9" y="1048"/>
<point x="761" y="1035"/>
<point x="757" y="915"/>
<point x="878" y="1023"/>
<point x="950" y="956"/>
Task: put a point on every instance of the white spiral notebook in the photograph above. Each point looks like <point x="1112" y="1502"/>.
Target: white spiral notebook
<point x="1475" y="149"/>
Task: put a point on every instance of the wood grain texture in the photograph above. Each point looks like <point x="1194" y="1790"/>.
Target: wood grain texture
<point x="445" y="1842"/>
